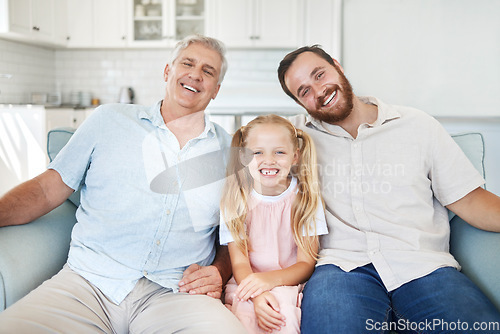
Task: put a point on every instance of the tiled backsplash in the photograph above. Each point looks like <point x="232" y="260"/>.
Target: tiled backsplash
<point x="33" y="69"/>
<point x="103" y="72"/>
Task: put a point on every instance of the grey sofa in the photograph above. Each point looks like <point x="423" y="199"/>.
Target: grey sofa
<point x="32" y="253"/>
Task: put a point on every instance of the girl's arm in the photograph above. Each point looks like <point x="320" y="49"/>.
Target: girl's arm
<point x="253" y="284"/>
<point x="239" y="263"/>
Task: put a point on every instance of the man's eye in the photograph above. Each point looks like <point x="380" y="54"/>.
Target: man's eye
<point x="187" y="64"/>
<point x="305" y="91"/>
<point x="209" y="73"/>
<point x="257" y="152"/>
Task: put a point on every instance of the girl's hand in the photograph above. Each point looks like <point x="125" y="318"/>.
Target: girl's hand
<point x="253" y="285"/>
<point x="267" y="312"/>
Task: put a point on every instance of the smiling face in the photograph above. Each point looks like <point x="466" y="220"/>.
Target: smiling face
<point x="273" y="156"/>
<point x="192" y="79"/>
<point x="320" y="88"/>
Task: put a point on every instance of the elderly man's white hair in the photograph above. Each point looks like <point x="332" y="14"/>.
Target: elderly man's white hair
<point x="208" y="42"/>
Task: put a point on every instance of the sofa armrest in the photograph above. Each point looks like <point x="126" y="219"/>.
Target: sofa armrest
<point x="32" y="253"/>
<point x="477" y="252"/>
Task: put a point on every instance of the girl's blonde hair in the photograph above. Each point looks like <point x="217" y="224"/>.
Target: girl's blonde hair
<point x="239" y="185"/>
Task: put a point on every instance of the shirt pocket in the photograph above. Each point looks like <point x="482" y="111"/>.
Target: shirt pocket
<point x="398" y="164"/>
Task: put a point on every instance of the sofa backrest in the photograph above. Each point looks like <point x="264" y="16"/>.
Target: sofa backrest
<point x="56" y="139"/>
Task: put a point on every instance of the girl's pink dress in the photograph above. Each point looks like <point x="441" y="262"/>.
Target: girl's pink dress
<point x="272" y="248"/>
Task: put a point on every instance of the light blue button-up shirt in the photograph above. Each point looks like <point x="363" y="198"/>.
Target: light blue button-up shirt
<point x="148" y="208"/>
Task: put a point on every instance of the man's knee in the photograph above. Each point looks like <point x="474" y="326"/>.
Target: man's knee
<point x="342" y="302"/>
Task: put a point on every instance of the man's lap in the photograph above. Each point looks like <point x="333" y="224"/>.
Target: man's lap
<point x="357" y="301"/>
<point x="67" y="302"/>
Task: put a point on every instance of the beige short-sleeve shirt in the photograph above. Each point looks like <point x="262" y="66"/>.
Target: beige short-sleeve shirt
<point x="385" y="192"/>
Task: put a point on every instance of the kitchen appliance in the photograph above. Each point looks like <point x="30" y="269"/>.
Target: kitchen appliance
<point x="54" y="99"/>
<point x="39" y="98"/>
<point x="126" y="95"/>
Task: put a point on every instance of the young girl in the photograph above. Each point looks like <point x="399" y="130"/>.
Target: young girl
<point x="271" y="216"/>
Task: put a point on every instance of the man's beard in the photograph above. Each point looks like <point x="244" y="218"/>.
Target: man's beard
<point x="341" y="110"/>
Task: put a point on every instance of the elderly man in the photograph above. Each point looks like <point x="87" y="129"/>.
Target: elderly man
<point x="388" y="173"/>
<point x="143" y="257"/>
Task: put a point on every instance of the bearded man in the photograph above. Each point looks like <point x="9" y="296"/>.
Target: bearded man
<point x="388" y="174"/>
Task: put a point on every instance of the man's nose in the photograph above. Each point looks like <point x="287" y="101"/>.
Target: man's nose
<point x="195" y="73"/>
<point x="318" y="90"/>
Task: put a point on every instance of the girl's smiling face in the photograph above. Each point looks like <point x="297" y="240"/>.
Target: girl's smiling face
<point x="274" y="153"/>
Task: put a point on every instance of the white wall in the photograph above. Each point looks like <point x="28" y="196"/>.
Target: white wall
<point x="441" y="56"/>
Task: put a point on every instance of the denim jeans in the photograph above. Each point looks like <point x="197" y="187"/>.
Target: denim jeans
<point x="445" y="301"/>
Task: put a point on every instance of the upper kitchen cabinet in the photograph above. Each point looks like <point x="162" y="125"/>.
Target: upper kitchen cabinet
<point x="257" y="23"/>
<point x="323" y="25"/>
<point x="34" y="21"/>
<point x="97" y="23"/>
<point x="163" y="22"/>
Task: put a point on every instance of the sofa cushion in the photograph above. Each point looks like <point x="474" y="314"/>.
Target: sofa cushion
<point x="472" y="144"/>
<point x="56" y="139"/>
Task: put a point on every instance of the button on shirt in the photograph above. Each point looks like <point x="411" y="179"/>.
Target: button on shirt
<point x="385" y="192"/>
<point x="148" y="208"/>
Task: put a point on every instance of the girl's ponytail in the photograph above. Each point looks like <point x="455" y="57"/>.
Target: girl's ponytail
<point x="308" y="197"/>
<point x="233" y="204"/>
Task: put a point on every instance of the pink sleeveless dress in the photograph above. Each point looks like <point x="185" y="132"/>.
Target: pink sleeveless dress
<point x="272" y="248"/>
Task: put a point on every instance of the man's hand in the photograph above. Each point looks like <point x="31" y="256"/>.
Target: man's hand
<point x="267" y="312"/>
<point x="198" y="280"/>
<point x="255" y="284"/>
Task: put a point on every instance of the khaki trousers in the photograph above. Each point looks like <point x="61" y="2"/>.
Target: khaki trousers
<point x="67" y="303"/>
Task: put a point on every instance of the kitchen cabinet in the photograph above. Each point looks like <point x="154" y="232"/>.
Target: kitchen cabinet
<point x="61" y="22"/>
<point x="35" y="21"/>
<point x="19" y="16"/>
<point x="80" y="25"/>
<point x="65" y="117"/>
<point x="257" y="23"/>
<point x="163" y="22"/>
<point x="110" y="23"/>
<point x="97" y="23"/>
<point x="323" y="25"/>
<point x="23" y="139"/>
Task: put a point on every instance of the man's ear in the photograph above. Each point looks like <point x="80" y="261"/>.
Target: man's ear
<point x="216" y="92"/>
<point x="338" y="65"/>
<point x="165" y="72"/>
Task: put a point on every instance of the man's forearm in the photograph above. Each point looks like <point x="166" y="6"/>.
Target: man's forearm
<point x="223" y="263"/>
<point x="480" y="208"/>
<point x="15" y="205"/>
<point x="33" y="199"/>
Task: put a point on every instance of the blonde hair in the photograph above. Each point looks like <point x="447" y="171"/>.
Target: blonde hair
<point x="239" y="184"/>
